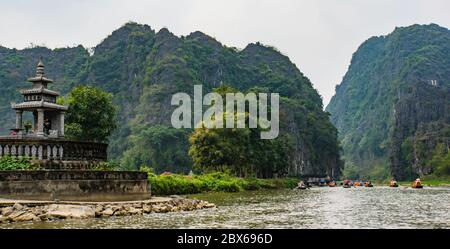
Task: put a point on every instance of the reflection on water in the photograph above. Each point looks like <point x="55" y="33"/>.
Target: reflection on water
<point x="379" y="207"/>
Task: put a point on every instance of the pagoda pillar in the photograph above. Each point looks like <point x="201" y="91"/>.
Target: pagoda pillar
<point x="19" y="119"/>
<point x="61" y="123"/>
<point x="40" y="122"/>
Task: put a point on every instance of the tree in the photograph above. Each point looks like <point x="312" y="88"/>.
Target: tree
<point x="91" y="114"/>
<point x="239" y="151"/>
<point x="441" y="160"/>
<point x="160" y="147"/>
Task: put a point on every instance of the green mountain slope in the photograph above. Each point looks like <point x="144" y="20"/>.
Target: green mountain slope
<point x="143" y="68"/>
<point x="388" y="98"/>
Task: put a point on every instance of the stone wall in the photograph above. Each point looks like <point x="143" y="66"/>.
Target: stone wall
<point x="73" y="185"/>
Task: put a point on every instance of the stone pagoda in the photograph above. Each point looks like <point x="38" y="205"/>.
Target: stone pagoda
<point x="45" y="143"/>
<point x="66" y="169"/>
<point x="41" y="101"/>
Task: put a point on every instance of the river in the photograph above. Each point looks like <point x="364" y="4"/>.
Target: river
<point x="378" y="207"/>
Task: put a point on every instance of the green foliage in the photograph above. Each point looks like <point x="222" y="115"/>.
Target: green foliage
<point x="378" y="172"/>
<point x="91" y="115"/>
<point x="434" y="180"/>
<point x="168" y="184"/>
<point x="16" y="163"/>
<point x="160" y="147"/>
<point x="239" y="151"/>
<point x="351" y="171"/>
<point x="440" y="161"/>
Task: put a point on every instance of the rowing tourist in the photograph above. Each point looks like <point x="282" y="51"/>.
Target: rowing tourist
<point x="417" y="183"/>
<point x="393" y="183"/>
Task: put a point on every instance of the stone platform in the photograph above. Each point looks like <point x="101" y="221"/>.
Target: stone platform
<point x="73" y="185"/>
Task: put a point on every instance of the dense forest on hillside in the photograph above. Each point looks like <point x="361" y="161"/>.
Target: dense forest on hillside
<point x="392" y="108"/>
<point x="143" y="68"/>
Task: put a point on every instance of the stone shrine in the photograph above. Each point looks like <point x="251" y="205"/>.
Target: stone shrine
<point x="48" y="116"/>
<point x="66" y="167"/>
<point x="45" y="141"/>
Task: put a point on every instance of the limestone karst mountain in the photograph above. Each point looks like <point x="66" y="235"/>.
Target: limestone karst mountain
<point x="393" y="106"/>
<point x="143" y="68"/>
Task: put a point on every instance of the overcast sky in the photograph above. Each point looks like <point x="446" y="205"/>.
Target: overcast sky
<point x="319" y="36"/>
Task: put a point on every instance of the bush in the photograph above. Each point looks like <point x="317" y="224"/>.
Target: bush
<point x="440" y="162"/>
<point x="226" y="186"/>
<point x="169" y="184"/>
<point x="16" y="163"/>
<point x="175" y="184"/>
<point x="251" y="184"/>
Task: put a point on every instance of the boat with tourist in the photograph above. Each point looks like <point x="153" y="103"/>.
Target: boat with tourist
<point x="417" y="183"/>
<point x="393" y="183"/>
<point x="302" y="185"/>
<point x="347" y="184"/>
<point x="368" y="184"/>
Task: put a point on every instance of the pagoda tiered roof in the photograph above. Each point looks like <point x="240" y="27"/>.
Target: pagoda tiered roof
<point x="38" y="104"/>
<point x="40" y="79"/>
<point x="40" y="74"/>
<point x="39" y="90"/>
<point x="39" y="97"/>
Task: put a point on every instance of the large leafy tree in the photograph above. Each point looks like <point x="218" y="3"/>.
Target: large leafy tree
<point x="239" y="151"/>
<point x="91" y="115"/>
<point x="441" y="160"/>
<point x="159" y="147"/>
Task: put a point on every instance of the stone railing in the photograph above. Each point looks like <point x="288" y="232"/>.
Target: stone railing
<point x="55" y="153"/>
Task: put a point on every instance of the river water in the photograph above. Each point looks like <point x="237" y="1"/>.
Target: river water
<point x="360" y="207"/>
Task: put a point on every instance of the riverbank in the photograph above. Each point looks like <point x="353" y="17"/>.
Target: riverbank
<point x="430" y="181"/>
<point x="21" y="210"/>
<point x="174" y="184"/>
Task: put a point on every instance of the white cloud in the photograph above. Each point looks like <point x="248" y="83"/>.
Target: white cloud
<point x="319" y="36"/>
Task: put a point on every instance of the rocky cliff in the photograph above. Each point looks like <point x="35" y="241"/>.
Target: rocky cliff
<point x="395" y="94"/>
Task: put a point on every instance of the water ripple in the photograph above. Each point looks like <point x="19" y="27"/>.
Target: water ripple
<point x="378" y="207"/>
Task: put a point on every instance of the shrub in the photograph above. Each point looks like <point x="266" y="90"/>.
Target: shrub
<point x="16" y="163"/>
<point x="169" y="184"/>
<point x="226" y="186"/>
<point x="251" y="184"/>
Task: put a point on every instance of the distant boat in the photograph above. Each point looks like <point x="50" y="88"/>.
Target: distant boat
<point x="417" y="184"/>
<point x="368" y="184"/>
<point x="302" y="185"/>
<point x="347" y="184"/>
<point x="393" y="183"/>
<point x="358" y="184"/>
